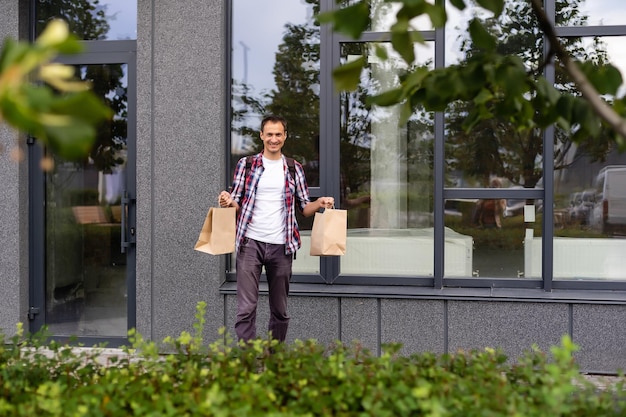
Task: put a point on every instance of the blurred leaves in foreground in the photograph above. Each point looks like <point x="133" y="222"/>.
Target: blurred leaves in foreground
<point x="44" y="98"/>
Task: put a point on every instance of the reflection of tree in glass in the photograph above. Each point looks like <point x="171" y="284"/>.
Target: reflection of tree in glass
<point x="358" y="117"/>
<point x="296" y="98"/>
<point x="86" y="19"/>
<point x="496" y="146"/>
<point x="355" y="135"/>
<point x="245" y="110"/>
<point x="107" y="84"/>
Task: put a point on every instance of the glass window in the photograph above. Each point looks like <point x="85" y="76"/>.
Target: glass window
<point x="91" y="19"/>
<point x="590" y="214"/>
<point x="386" y="169"/>
<point x="601" y="50"/>
<point x="386" y="172"/>
<point x="85" y="267"/>
<point x="589" y="187"/>
<point x="500" y="232"/>
<point x="591" y="13"/>
<point x="275" y="69"/>
<point x="495" y="147"/>
<point x="383" y="16"/>
<point x="457" y="36"/>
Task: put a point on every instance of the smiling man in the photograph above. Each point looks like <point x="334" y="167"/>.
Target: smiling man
<point x="266" y="190"/>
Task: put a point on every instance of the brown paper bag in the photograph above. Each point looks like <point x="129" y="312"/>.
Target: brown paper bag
<point x="218" y="232"/>
<point x="329" y="233"/>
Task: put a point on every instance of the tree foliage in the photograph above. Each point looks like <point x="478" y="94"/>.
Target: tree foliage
<point x="495" y="146"/>
<point x="495" y="80"/>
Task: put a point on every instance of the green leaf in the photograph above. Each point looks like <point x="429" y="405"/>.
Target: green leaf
<point x="586" y="117"/>
<point x="459" y="4"/>
<point x="472" y="119"/>
<point x="37" y="97"/>
<point x="12" y="52"/>
<point x="72" y="142"/>
<point x="565" y="106"/>
<point x="381" y="52"/>
<point x="70" y="46"/>
<point x="352" y="20"/>
<point x="413" y="80"/>
<point x="512" y="78"/>
<point x="437" y="15"/>
<point x="347" y="76"/>
<point x="483" y="97"/>
<point x="403" y="44"/>
<point x="547" y="91"/>
<point x="406" y="111"/>
<point x="605" y="78"/>
<point x="388" y="98"/>
<point x="481" y="37"/>
<point x="21" y="116"/>
<point x="495" y="6"/>
<point x="83" y="105"/>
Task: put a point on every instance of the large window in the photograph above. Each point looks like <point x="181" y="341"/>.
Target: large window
<point x="428" y="199"/>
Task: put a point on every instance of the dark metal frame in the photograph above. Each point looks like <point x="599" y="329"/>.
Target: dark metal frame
<point x="535" y="289"/>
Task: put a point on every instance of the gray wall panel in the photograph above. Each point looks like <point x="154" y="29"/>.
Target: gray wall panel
<point x="180" y="168"/>
<point x="599" y="331"/>
<point x="313" y="318"/>
<point x="359" y="321"/>
<point x="13" y="250"/>
<point x="310" y="317"/>
<point x="417" y="324"/>
<point x="514" y="327"/>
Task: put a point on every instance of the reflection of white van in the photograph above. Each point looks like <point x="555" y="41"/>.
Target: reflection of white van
<point x="609" y="210"/>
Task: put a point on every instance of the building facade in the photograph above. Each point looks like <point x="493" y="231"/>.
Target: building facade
<point x="96" y="248"/>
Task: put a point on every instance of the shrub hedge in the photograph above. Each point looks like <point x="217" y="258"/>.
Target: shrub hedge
<point x="183" y="376"/>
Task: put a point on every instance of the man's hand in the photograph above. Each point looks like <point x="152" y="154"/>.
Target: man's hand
<point x="326" y="202"/>
<point x="224" y="199"/>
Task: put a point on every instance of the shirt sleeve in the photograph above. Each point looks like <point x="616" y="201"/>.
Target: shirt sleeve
<point x="302" y="190"/>
<point x="239" y="181"/>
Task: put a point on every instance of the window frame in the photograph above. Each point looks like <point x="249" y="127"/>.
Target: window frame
<point x="330" y="47"/>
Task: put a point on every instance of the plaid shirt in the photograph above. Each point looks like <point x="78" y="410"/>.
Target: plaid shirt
<point x="295" y="190"/>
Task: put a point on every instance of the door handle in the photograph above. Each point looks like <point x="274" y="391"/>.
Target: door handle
<point x="126" y="242"/>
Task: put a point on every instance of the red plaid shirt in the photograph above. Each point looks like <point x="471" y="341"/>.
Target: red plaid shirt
<point x="295" y="190"/>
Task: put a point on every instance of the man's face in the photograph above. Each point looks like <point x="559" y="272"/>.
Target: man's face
<point x="273" y="137"/>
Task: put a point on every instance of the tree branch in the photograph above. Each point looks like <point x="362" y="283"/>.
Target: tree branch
<point x="603" y="110"/>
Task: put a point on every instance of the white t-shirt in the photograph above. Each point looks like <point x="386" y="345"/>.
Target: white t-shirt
<point x="268" y="222"/>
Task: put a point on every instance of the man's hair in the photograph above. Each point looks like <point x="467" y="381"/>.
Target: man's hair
<point x="274" y="119"/>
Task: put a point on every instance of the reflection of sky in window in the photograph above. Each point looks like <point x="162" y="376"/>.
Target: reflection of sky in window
<point x="604" y="12"/>
<point x="122" y="18"/>
<point x="258" y="29"/>
<point x="456" y="30"/>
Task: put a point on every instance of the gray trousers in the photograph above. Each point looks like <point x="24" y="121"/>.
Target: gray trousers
<point x="252" y="256"/>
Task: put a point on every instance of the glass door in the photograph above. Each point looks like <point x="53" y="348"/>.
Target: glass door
<point x="84" y="280"/>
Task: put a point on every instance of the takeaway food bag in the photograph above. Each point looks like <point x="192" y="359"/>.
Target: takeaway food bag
<point x="329" y="233"/>
<point x="218" y="232"/>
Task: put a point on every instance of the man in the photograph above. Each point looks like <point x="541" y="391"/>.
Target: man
<point x="265" y="195"/>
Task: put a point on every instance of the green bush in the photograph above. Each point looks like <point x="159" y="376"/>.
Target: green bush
<point x="265" y="378"/>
